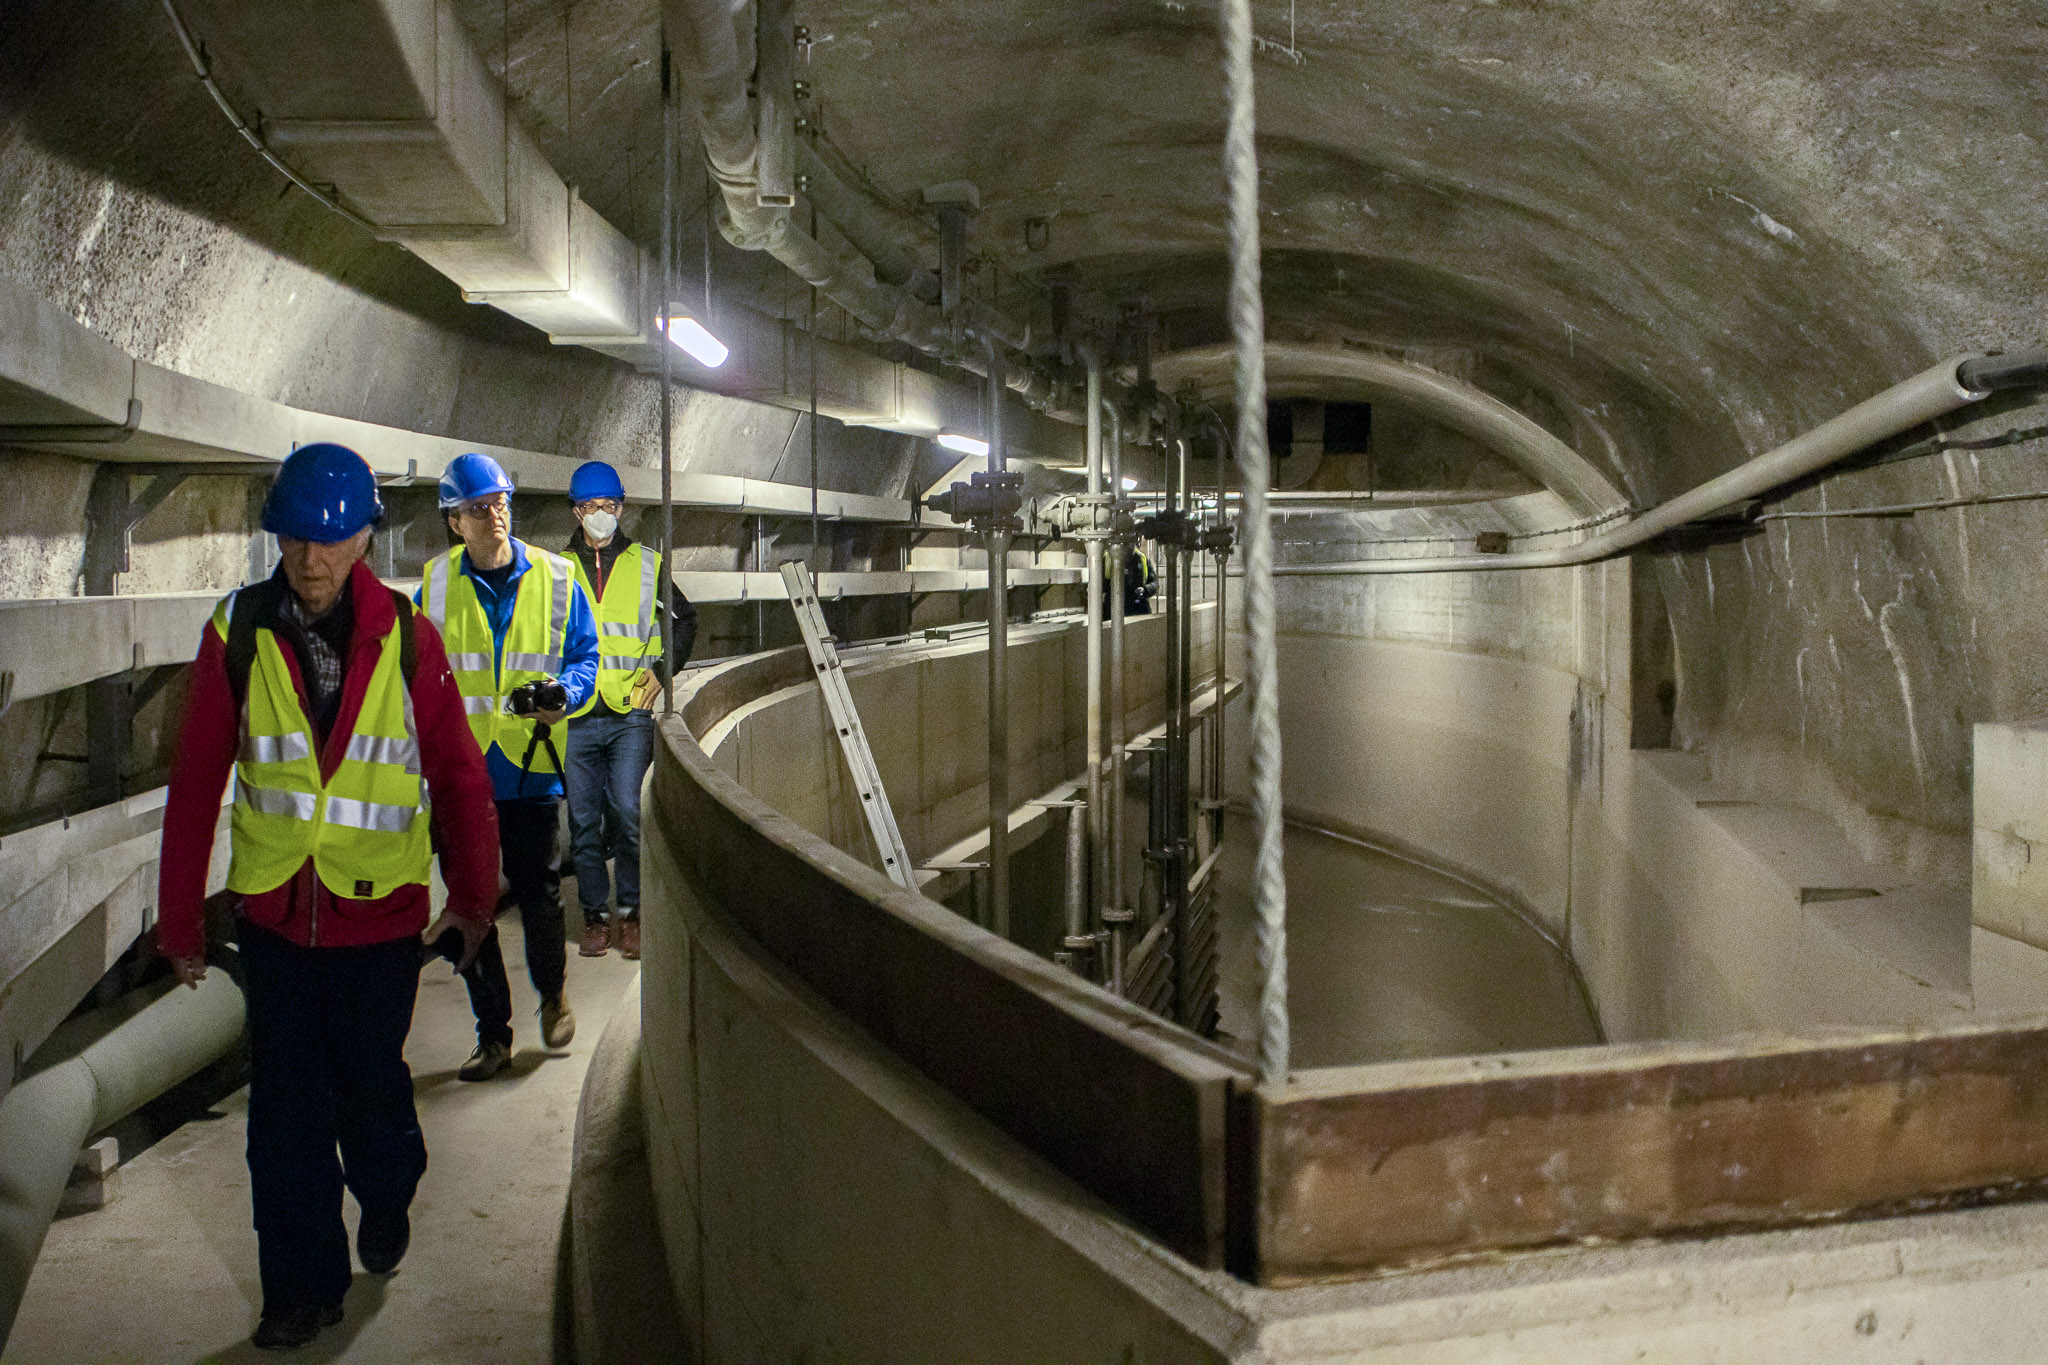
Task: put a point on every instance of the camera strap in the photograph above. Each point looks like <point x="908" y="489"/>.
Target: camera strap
<point x="543" y="733"/>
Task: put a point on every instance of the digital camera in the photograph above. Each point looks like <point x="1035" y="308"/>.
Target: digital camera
<point x="542" y="694"/>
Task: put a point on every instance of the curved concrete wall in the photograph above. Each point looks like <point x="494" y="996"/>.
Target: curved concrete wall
<point x="1483" y="723"/>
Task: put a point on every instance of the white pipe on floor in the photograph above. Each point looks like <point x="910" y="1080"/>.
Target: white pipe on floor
<point x="45" y="1120"/>
<point x="1927" y="395"/>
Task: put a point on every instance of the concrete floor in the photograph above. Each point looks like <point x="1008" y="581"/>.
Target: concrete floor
<point x="167" y="1271"/>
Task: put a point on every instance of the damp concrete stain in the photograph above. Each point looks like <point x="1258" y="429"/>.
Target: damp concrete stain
<point x="1388" y="960"/>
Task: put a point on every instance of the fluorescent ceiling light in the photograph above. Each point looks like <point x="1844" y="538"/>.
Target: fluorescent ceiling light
<point x="690" y="337"/>
<point x="965" y="445"/>
<point x="1129" y="484"/>
<point x="1071" y="468"/>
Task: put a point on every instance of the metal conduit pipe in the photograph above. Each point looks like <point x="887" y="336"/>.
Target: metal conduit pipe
<point x="45" y="1120"/>
<point x="713" y="43"/>
<point x="860" y="218"/>
<point x="998" y="668"/>
<point x="1116" y="913"/>
<point x="1091" y="547"/>
<point x="1927" y="395"/>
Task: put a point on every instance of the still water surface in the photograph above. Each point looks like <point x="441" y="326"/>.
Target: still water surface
<point x="1389" y="960"/>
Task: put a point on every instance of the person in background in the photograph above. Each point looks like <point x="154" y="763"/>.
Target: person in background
<point x="523" y="647"/>
<point x="611" y="740"/>
<point x="332" y="701"/>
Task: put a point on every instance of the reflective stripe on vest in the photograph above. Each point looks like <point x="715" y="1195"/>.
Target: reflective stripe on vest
<point x="534" y="642"/>
<point x="366" y="827"/>
<point x="628" y="639"/>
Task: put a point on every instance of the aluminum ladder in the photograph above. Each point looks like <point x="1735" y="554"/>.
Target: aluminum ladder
<point x="853" y="739"/>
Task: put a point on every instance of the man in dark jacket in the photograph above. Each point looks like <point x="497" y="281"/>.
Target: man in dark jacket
<point x="332" y="700"/>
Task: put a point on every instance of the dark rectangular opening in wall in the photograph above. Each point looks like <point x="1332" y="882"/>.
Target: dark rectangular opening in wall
<point x="1347" y="428"/>
<point x="1280" y="429"/>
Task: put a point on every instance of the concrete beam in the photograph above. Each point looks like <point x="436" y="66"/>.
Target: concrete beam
<point x="429" y="154"/>
<point x="54" y="370"/>
<point x="50" y="644"/>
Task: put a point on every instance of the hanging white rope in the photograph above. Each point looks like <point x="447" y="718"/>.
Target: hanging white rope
<point x="1248" y="331"/>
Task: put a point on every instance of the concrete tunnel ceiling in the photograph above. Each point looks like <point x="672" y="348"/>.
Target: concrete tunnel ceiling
<point x="1681" y="234"/>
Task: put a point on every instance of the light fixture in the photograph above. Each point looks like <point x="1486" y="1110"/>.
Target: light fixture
<point x="964" y="445"/>
<point x="693" y="340"/>
<point x="1129" y="484"/>
<point x="1070" y="468"/>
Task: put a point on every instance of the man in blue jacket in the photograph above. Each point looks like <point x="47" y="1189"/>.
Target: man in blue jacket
<point x="522" y="643"/>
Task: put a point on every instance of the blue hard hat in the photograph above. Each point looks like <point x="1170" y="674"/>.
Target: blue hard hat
<point x="469" y="477"/>
<point x="595" y="479"/>
<point x="324" y="493"/>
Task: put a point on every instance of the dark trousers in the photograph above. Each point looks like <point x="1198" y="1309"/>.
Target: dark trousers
<point x="608" y="758"/>
<point x="327" y="1033"/>
<point x="532" y="860"/>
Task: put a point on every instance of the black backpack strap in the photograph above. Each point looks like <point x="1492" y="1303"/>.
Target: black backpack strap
<point x="255" y="606"/>
<point x="408" y="637"/>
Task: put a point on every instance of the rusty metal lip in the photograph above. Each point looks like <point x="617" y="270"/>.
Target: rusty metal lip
<point x="1321" y="1084"/>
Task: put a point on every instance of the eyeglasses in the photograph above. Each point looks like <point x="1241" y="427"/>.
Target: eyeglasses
<point x="611" y="505"/>
<point x="497" y="505"/>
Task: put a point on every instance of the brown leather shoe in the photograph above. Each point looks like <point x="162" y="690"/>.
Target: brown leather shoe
<point x="597" y="941"/>
<point x="629" y="939"/>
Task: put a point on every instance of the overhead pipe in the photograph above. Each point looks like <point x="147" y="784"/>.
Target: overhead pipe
<point x="1932" y="393"/>
<point x="716" y="50"/>
<point x="46" y="1119"/>
<point x="862" y="222"/>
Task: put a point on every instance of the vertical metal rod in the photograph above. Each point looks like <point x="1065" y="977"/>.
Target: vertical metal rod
<point x="1114" y="439"/>
<point x="668" y="503"/>
<point x="998" y="667"/>
<point x="1219" y="753"/>
<point x="1091" y="548"/>
<point x="1171" y="851"/>
<point x="1076" y="899"/>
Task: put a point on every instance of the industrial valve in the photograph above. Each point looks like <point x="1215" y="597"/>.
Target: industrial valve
<point x="988" y="503"/>
<point x="1171" y="529"/>
<point x="1218" y="539"/>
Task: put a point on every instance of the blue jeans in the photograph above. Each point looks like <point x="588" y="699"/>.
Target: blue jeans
<point x="608" y="757"/>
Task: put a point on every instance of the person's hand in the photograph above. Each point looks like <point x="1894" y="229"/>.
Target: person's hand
<point x="190" y="971"/>
<point x="550" y="717"/>
<point x="473" y="935"/>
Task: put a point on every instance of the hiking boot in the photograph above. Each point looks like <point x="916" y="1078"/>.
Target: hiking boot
<point x="381" y="1241"/>
<point x="628" y="933"/>
<point x="597" y="940"/>
<point x="487" y="1061"/>
<point x="290" y="1326"/>
<point x="557" y="1021"/>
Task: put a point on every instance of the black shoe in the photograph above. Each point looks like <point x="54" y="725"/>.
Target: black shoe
<point x="381" y="1242"/>
<point x="290" y="1327"/>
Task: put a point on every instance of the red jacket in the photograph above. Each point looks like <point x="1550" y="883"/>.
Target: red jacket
<point x="465" y="821"/>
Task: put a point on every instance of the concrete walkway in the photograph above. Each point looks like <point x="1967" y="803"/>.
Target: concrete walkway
<point x="167" y="1271"/>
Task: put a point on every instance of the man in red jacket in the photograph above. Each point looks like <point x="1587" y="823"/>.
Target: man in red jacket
<point x="332" y="700"/>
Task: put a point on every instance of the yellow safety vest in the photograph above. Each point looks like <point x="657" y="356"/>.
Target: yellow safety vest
<point x="365" y="828"/>
<point x="628" y="631"/>
<point x="533" y="644"/>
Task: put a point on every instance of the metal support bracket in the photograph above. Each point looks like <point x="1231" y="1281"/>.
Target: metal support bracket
<point x="853" y="738"/>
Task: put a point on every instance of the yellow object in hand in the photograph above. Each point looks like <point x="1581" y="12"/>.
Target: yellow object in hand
<point x="646" y="688"/>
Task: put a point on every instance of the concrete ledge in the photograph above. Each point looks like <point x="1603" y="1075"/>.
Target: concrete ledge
<point x="52" y="643"/>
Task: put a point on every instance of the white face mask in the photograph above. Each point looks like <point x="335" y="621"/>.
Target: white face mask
<point x="598" y="526"/>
